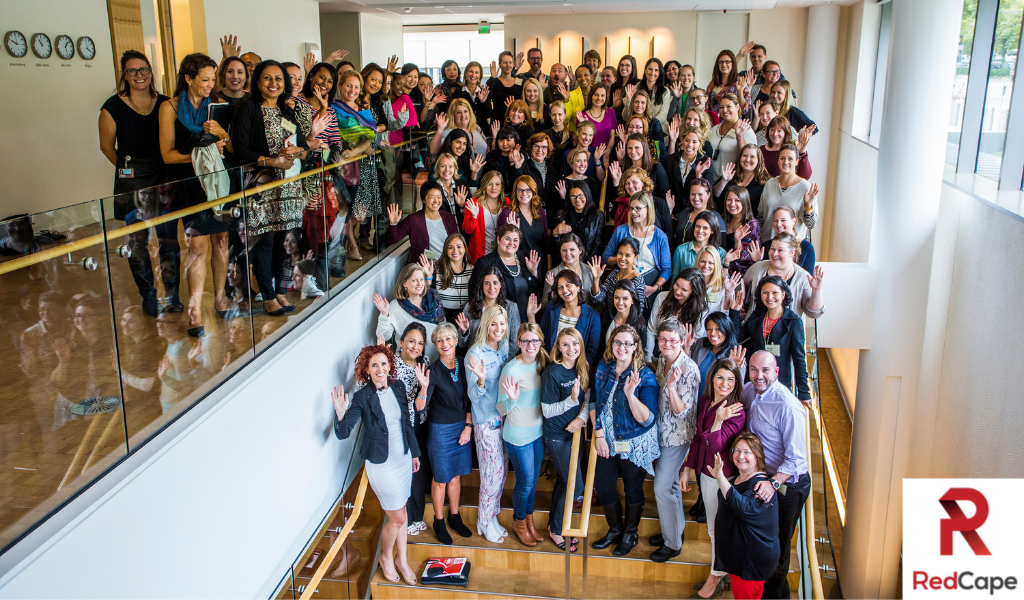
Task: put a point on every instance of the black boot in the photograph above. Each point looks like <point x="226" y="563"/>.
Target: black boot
<point x="613" y="514"/>
<point x="630" y="538"/>
<point x="442" y="532"/>
<point x="455" y="520"/>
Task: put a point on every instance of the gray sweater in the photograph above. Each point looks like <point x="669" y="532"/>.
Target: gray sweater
<point x="797" y="284"/>
<point x="773" y="197"/>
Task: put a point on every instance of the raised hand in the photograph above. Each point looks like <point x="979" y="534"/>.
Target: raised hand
<point x="737" y="300"/>
<point x="308" y="62"/>
<point x="477" y="368"/>
<point x="745" y="50"/>
<point x="688" y="337"/>
<point x="738" y="354"/>
<point x="803" y="137"/>
<point x="543" y="80"/>
<point x="676" y="89"/>
<point x="705" y="164"/>
<point x="513" y="219"/>
<point x="728" y="171"/>
<point x="596" y="268"/>
<point x="509" y="101"/>
<point x="473" y="207"/>
<point x="620" y="150"/>
<point x="494" y="69"/>
<point x="673" y="376"/>
<point x="757" y="109"/>
<point x="727" y="411"/>
<point x="518" y="61"/>
<point x="511" y="387"/>
<point x="732" y="282"/>
<point x="600" y="152"/>
<point x="495" y="128"/>
<point x="439" y="97"/>
<point x="617" y="97"/>
<point x="742" y="127"/>
<point x="817" y="279"/>
<point x="320" y="123"/>
<point x="575" y="395"/>
<point x="732" y="255"/>
<point x="533" y="261"/>
<point x="532" y="308"/>
<point x="810" y="196"/>
<point x="461" y="193"/>
<point x="394" y="214"/>
<point x="560" y="188"/>
<point x="442" y="121"/>
<point x="462" y="322"/>
<point x="630" y="90"/>
<point x="670" y="200"/>
<point x="620" y="132"/>
<point x="674" y="126"/>
<point x="516" y="158"/>
<point x="482" y="94"/>
<point x="563" y="90"/>
<point x="229" y="46"/>
<point x="427" y="265"/>
<point x="381" y="303"/>
<point x="756" y="252"/>
<point x="632" y="382"/>
<point x="550" y="277"/>
<point x="740" y="233"/>
<point x="716" y="470"/>
<point x="340" y="400"/>
<point x="392" y="60"/>
<point x="476" y="164"/>
<point x="615" y="171"/>
<point x="380" y="339"/>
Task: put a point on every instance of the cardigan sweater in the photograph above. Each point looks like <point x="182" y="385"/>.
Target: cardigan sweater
<point x="415" y="226"/>
<point x="476" y="227"/>
<point x="659" y="249"/>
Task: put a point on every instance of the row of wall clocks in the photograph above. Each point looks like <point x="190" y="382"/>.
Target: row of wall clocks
<point x="18" y="46"/>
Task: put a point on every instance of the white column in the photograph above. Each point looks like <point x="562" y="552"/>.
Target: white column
<point x="819" y="85"/>
<point x="910" y="163"/>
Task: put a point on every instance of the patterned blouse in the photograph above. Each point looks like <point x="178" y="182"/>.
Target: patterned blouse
<point x="677" y="429"/>
<point x="280" y="208"/>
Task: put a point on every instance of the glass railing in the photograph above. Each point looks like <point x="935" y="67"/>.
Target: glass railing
<point x="122" y="313"/>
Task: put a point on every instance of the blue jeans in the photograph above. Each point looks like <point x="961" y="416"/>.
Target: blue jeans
<point x="526" y="461"/>
<point x="560" y="452"/>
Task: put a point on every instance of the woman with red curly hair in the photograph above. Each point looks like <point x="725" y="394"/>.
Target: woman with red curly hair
<point x="389" y="447"/>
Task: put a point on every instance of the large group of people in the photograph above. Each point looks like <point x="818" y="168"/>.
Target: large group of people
<point x="600" y="248"/>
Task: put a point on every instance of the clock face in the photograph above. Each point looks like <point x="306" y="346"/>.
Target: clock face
<point x="65" y="47"/>
<point x="16" y="44"/>
<point x="41" y="45"/>
<point x="86" y="49"/>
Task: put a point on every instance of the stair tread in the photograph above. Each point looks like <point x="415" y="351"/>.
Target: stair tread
<point x="528" y="584"/>
<point x="471" y="496"/>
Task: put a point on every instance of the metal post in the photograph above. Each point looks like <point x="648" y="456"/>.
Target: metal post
<point x="585" y="545"/>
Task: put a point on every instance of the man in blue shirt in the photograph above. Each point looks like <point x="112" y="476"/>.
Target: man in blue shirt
<point x="779" y="419"/>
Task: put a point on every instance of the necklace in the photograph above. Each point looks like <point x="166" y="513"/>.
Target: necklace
<point x="518" y="270"/>
<point x="454" y="373"/>
<point x="136" y="108"/>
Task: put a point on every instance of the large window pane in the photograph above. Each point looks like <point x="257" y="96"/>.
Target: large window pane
<point x="1000" y="87"/>
<point x="963" y="65"/>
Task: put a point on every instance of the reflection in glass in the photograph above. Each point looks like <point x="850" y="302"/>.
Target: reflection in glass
<point x="1000" y="88"/>
<point x="963" y="65"/>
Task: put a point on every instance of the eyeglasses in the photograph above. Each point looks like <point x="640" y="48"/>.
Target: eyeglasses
<point x="139" y="71"/>
<point x="743" y="452"/>
<point x="577" y="197"/>
<point x="725" y="62"/>
<point x="637" y="208"/>
<point x="523" y="191"/>
<point x="669" y="341"/>
<point x="774" y="72"/>
<point x="533" y="342"/>
<point x="619" y="344"/>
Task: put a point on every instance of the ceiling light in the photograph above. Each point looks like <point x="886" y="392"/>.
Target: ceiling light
<point x="407" y="9"/>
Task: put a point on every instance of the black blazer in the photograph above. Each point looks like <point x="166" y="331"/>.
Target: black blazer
<point x="249" y="133"/>
<point x="788" y="333"/>
<point x="366" y="404"/>
<point x="588" y="225"/>
<point x="552" y="202"/>
<point x="681" y="187"/>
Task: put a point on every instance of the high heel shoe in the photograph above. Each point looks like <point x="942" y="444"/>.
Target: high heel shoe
<point x="525" y="538"/>
<point x="488" y="532"/>
<point x="392" y="579"/>
<point x="497" y="527"/>
<point x="533" y="530"/>
<point x="409" y="579"/>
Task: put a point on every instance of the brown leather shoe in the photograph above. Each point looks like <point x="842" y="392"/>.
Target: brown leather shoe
<point x="533" y="530"/>
<point x="519" y="527"/>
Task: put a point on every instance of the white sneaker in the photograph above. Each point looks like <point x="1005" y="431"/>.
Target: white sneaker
<point x="413" y="529"/>
<point x="420" y="525"/>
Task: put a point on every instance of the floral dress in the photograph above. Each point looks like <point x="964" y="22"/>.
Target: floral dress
<point x="280" y="208"/>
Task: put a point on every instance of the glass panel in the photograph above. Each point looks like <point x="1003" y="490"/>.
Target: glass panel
<point x="354" y="237"/>
<point x="62" y="424"/>
<point x="182" y="312"/>
<point x="963" y="66"/>
<point x="1000" y="88"/>
<point x="286" y="588"/>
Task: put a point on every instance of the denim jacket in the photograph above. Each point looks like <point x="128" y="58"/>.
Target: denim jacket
<point x="626" y="427"/>
<point x="484" y="400"/>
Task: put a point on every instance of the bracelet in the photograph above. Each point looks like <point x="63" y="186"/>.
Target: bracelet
<point x="431" y="278"/>
<point x="468" y="425"/>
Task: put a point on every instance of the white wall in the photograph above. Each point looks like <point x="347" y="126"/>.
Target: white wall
<point x="224" y="508"/>
<point x="51" y="152"/>
<point x="379" y="38"/>
<point x="782" y="30"/>
<point x="274" y="29"/>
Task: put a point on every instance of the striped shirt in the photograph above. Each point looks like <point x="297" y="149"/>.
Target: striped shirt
<point x="778" y="418"/>
<point x="456" y="296"/>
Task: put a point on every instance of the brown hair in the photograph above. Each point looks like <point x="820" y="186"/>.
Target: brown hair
<point x="522" y="107"/>
<point x="638" y="361"/>
<point x="403" y="277"/>
<point x="122" y="83"/>
<point x="755" y="444"/>
<point x="737" y="390"/>
<point x="642" y="175"/>
<point x="717" y="77"/>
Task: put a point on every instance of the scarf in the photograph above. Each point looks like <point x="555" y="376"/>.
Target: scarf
<point x="354" y="127"/>
<point x="193" y="118"/>
<point x="432" y="311"/>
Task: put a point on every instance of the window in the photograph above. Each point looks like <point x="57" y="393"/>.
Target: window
<point x="963" y="65"/>
<point x="429" y="49"/>
<point x="881" y="70"/>
<point x="1000" y="87"/>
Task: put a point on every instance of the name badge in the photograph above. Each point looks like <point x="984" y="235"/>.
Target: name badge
<point x="288" y="126"/>
<point x="126" y="173"/>
<point x="774" y="349"/>
<point x="621" y="447"/>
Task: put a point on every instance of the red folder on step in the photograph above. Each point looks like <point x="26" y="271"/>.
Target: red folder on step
<point x="447" y="571"/>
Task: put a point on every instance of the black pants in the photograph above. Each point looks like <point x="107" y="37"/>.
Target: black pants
<point x="267" y="257"/>
<point x="608" y="471"/>
<point x="420" y="479"/>
<point x="790" y="505"/>
<point x="141" y="265"/>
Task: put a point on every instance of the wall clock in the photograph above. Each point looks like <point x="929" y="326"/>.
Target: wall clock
<point x="41" y="45"/>
<point x="65" y="47"/>
<point x="86" y="49"/>
<point x="16" y="44"/>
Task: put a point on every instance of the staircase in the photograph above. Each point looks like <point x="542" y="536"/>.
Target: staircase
<point x="511" y="569"/>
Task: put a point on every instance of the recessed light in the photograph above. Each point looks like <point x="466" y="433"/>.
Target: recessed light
<point x="407" y="9"/>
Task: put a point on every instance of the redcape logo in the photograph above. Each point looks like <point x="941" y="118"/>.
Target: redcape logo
<point x="961" y="537"/>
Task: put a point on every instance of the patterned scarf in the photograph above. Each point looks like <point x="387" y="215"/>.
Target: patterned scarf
<point x="354" y="127"/>
<point x="432" y="311"/>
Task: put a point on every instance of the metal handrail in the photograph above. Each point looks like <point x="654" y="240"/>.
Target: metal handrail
<point x="102" y="238"/>
<point x="337" y="545"/>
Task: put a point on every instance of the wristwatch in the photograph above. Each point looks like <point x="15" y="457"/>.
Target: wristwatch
<point x="776" y="484"/>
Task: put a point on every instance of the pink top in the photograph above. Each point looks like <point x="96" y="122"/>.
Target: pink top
<point x="396" y="137"/>
<point x="604" y="127"/>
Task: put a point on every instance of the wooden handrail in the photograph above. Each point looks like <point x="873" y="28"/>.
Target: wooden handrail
<point x="588" y="489"/>
<point x="102" y="238"/>
<point x="336" y="546"/>
<point x="812" y="555"/>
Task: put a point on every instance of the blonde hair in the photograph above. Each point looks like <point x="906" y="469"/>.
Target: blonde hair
<point x="647" y="199"/>
<point x="540" y="98"/>
<point x="786" y="99"/>
<point x="637" y="361"/>
<point x="485" y="179"/>
<point x="717" y="282"/>
<point x="488" y="316"/>
<point x="437" y="166"/>
<point x="471" y="126"/>
<point x="581" y="360"/>
<point x="542" y="356"/>
<point x="705" y="122"/>
<point x="565" y="125"/>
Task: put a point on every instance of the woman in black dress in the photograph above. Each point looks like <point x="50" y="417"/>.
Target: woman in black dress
<point x="527" y="213"/>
